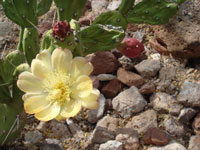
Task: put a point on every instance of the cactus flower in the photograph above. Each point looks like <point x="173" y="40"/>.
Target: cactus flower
<point x="57" y="86"/>
<point x="61" y="30"/>
<point x="131" y="47"/>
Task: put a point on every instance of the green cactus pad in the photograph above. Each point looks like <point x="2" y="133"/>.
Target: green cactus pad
<point x="100" y="38"/>
<point x="69" y="9"/>
<point x="125" y="6"/>
<point x="43" y="7"/>
<point x="22" y="12"/>
<point x="111" y="18"/>
<point x="4" y="91"/>
<point x="31" y="44"/>
<point x="68" y="42"/>
<point x="11" y="61"/>
<point x="10" y="123"/>
<point x="152" y="12"/>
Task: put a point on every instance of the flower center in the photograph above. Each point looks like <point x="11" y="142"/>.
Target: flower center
<point x="58" y="88"/>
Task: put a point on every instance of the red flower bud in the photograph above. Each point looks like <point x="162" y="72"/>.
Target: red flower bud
<point x="131" y="47"/>
<point x="61" y="30"/>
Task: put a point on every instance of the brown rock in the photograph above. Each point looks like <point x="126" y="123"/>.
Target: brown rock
<point x="156" y="136"/>
<point x="129" y="78"/>
<point x="196" y="124"/>
<point x="194" y="143"/>
<point x="108" y="122"/>
<point x="143" y="121"/>
<point x="103" y="62"/>
<point x="111" y="89"/>
<point x="147" y="88"/>
<point x="183" y="31"/>
<point x="128" y="137"/>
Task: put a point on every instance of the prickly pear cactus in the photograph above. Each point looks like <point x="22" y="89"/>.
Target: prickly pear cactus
<point x="43" y="7"/>
<point x="11" y="122"/>
<point x="31" y="43"/>
<point x="153" y="11"/>
<point x="12" y="116"/>
<point x="22" y="12"/>
<point x="125" y="6"/>
<point x="11" y="61"/>
<point x="69" y="9"/>
<point x="112" y="18"/>
<point x="103" y="37"/>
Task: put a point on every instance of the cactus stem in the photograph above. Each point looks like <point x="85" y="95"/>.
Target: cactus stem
<point x="13" y="125"/>
<point x="20" y="44"/>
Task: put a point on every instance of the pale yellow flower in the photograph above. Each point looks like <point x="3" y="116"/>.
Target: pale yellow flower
<point x="57" y="86"/>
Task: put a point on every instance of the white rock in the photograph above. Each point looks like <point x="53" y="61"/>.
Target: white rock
<point x="129" y="102"/>
<point x="170" y="146"/>
<point x="148" y="67"/>
<point x="111" y="145"/>
<point x="114" y="5"/>
<point x="190" y="94"/>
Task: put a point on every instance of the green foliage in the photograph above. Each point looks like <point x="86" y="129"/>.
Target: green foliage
<point x="43" y="7"/>
<point x="111" y="18"/>
<point x="48" y="42"/>
<point x="5" y="96"/>
<point x="9" y="126"/>
<point x="100" y="38"/>
<point x="153" y="11"/>
<point x="125" y="6"/>
<point x="22" y="12"/>
<point x="11" y="61"/>
<point x="69" y="9"/>
<point x="31" y="43"/>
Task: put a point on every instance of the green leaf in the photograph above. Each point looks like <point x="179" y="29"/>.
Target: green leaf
<point x="100" y="38"/>
<point x="125" y="6"/>
<point x="70" y="9"/>
<point x="113" y="18"/>
<point x="152" y="12"/>
<point x="43" y="7"/>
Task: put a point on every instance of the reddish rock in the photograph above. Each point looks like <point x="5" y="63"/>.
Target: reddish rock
<point x="147" y="88"/>
<point x="95" y="82"/>
<point x="156" y="136"/>
<point x="129" y="78"/>
<point x="103" y="62"/>
<point x="111" y="89"/>
<point x="196" y="124"/>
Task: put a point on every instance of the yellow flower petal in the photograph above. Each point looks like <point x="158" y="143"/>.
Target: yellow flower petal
<point x="70" y="109"/>
<point x="91" y="101"/>
<point x="34" y="103"/>
<point x="61" y="60"/>
<point x="49" y="113"/>
<point x="29" y="83"/>
<point x="82" y="87"/>
<point x="80" y="67"/>
<point x="45" y="57"/>
<point x="39" y="69"/>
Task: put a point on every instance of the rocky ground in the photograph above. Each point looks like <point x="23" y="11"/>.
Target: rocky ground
<point x="148" y="103"/>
